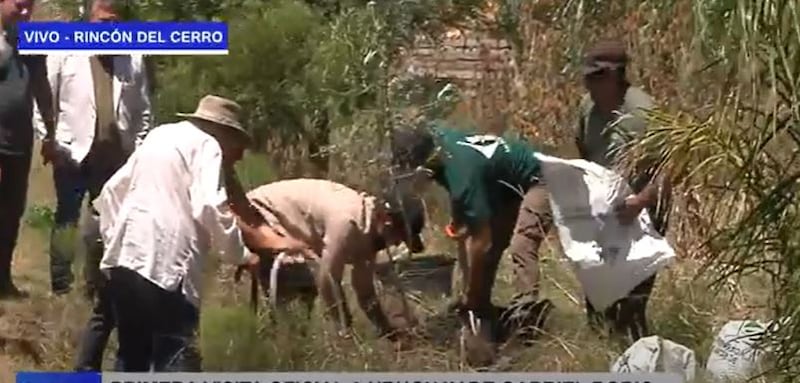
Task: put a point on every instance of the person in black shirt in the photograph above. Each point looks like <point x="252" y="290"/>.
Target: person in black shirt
<point x="22" y="78"/>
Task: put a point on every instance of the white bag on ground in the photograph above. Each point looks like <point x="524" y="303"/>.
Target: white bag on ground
<point x="734" y="355"/>
<point x="655" y="354"/>
<point x="609" y="258"/>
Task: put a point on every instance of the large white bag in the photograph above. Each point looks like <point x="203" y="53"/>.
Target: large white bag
<point x="609" y="258"/>
<point x="734" y="354"/>
<point x="655" y="354"/>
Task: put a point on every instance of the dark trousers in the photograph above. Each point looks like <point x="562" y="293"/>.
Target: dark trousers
<point x="13" y="191"/>
<point x="94" y="338"/>
<point x="521" y="228"/>
<point x="72" y="184"/>
<point x="627" y="316"/>
<point x="156" y="328"/>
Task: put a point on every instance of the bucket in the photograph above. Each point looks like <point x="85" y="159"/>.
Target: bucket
<point x="430" y="275"/>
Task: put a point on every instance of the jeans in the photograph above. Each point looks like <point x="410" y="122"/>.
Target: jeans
<point x="71" y="186"/>
<point x="13" y="189"/>
<point x="156" y="328"/>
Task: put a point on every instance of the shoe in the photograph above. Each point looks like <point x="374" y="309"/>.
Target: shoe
<point x="524" y="320"/>
<point x="477" y="341"/>
<point x="61" y="290"/>
<point x="9" y="291"/>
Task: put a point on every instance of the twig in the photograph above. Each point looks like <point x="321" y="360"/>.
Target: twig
<point x="421" y="304"/>
<point x="563" y="290"/>
<point x="560" y="343"/>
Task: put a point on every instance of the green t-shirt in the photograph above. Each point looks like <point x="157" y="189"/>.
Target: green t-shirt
<point x="482" y="172"/>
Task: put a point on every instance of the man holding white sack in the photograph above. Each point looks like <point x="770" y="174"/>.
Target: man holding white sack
<point x="610" y="116"/>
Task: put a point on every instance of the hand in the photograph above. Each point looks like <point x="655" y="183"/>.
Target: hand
<point x="401" y="339"/>
<point x="252" y="265"/>
<point x="630" y="209"/>
<point x="454" y="231"/>
<point x="264" y="238"/>
<point x="50" y="152"/>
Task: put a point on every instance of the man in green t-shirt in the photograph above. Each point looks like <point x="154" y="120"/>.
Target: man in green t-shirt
<point x="610" y="116"/>
<point x="497" y="202"/>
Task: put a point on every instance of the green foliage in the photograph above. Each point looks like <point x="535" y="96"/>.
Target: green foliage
<point x="745" y="153"/>
<point x="254" y="171"/>
<point x="41" y="218"/>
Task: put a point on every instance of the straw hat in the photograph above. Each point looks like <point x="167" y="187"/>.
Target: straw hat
<point x="220" y="111"/>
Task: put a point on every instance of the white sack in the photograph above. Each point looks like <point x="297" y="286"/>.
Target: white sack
<point x="655" y="354"/>
<point x="734" y="356"/>
<point x="609" y="258"/>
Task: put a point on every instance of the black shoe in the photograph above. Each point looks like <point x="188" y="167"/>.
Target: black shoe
<point x="61" y="290"/>
<point x="9" y="291"/>
<point x="524" y="320"/>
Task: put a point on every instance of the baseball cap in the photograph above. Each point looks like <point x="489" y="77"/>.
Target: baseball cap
<point x="605" y="55"/>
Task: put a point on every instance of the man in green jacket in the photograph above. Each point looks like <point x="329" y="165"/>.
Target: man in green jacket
<point x="611" y="115"/>
<point x="497" y="202"/>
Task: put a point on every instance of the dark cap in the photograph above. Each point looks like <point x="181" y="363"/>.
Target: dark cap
<point x="411" y="147"/>
<point x="408" y="212"/>
<point x="605" y="55"/>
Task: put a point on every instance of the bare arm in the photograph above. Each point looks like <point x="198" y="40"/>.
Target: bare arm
<point x="329" y="279"/>
<point x="362" y="279"/>
<point x="477" y="245"/>
<point x="257" y="234"/>
<point x="650" y="194"/>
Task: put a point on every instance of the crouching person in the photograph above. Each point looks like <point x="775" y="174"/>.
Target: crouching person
<point x="342" y="226"/>
<point x="161" y="214"/>
<point x="498" y="203"/>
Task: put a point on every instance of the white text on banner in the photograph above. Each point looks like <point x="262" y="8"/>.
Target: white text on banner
<point x="140" y="37"/>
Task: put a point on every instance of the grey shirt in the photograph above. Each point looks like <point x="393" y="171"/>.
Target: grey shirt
<point x="600" y="139"/>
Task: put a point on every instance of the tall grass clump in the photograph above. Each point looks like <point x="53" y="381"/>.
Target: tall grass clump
<point x="743" y="155"/>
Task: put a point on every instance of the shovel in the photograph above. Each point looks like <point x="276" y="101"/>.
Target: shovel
<point x="253" y="287"/>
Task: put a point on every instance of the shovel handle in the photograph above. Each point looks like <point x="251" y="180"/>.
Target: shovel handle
<point x="254" y="293"/>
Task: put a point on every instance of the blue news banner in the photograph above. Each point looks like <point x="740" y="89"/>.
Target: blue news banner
<point x="336" y="377"/>
<point x="151" y="38"/>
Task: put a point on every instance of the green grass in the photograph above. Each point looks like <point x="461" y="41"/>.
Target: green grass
<point x="233" y="339"/>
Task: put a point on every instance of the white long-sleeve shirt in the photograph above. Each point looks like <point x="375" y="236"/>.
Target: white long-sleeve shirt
<point x="165" y="210"/>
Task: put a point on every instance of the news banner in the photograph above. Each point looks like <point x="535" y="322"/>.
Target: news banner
<point x="343" y="377"/>
<point x="147" y="38"/>
<point x="211" y="38"/>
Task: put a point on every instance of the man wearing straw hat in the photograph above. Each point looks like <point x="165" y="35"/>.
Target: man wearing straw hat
<point x="161" y="214"/>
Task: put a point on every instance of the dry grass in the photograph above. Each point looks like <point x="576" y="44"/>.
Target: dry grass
<point x="682" y="309"/>
<point x="232" y="339"/>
